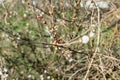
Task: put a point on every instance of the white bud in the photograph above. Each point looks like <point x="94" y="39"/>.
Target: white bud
<point x="1" y="73"/>
<point x="37" y="10"/>
<point x="70" y="60"/>
<point x="48" y="77"/>
<point x="52" y="79"/>
<point x="41" y="76"/>
<point x="25" y="15"/>
<point x="45" y="71"/>
<point x="5" y="70"/>
<point x="23" y="1"/>
<point x="29" y="76"/>
<point x="34" y="3"/>
<point x="85" y="39"/>
<point x="27" y="24"/>
<point x="91" y="34"/>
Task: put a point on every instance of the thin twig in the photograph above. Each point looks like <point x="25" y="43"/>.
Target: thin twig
<point x="97" y="46"/>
